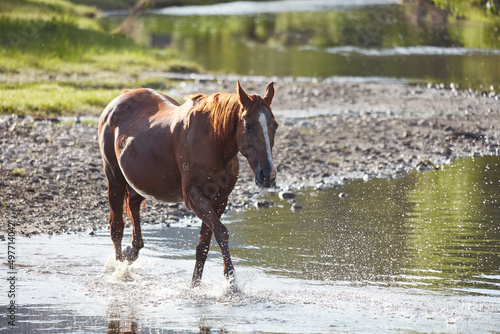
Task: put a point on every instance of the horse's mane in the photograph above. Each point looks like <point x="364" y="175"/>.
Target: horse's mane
<point x="224" y="111"/>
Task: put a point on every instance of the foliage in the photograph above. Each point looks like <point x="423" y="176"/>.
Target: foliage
<point x="125" y="4"/>
<point x="461" y="7"/>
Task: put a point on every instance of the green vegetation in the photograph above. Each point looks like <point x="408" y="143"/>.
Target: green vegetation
<point x="19" y="171"/>
<point x="463" y="7"/>
<point x="57" y="57"/>
<point x="125" y="4"/>
<point x="310" y="44"/>
<point x="53" y="98"/>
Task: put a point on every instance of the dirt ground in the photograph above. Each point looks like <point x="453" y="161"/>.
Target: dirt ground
<point x="51" y="177"/>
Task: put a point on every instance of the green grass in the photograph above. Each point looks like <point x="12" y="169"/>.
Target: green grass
<point x="125" y="4"/>
<point x="66" y="98"/>
<point x="54" y="98"/>
<point x="57" y="58"/>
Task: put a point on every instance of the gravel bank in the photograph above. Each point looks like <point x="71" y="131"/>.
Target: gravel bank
<point x="51" y="177"/>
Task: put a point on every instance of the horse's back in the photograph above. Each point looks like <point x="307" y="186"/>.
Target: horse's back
<point x="133" y="105"/>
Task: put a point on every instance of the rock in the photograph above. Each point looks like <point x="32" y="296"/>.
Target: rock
<point x="35" y="179"/>
<point x="320" y="185"/>
<point x="296" y="207"/>
<point x="263" y="204"/>
<point x="287" y="195"/>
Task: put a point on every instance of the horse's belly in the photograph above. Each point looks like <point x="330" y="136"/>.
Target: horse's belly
<point x="152" y="179"/>
<point x="161" y="187"/>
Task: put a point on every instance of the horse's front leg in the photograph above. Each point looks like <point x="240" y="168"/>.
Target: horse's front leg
<point x="204" y="245"/>
<point x="201" y="253"/>
<point x="202" y="207"/>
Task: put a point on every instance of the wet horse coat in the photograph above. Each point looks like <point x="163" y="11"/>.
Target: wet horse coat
<point x="154" y="148"/>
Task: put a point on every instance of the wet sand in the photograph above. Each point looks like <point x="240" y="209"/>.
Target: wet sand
<point x="51" y="177"/>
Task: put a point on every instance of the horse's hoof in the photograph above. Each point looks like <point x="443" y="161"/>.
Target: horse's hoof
<point x="130" y="253"/>
<point x="195" y="283"/>
<point x="232" y="287"/>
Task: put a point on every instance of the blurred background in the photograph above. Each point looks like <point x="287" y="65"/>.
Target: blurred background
<point x="91" y="49"/>
<point x="418" y="40"/>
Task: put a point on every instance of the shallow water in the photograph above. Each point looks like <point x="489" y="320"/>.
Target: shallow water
<point x="437" y="230"/>
<point x="330" y="38"/>
<point x="414" y="254"/>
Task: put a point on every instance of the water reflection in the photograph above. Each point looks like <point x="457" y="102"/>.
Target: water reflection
<point x="436" y="229"/>
<point x="390" y="40"/>
<point x="122" y="327"/>
<point x="455" y="223"/>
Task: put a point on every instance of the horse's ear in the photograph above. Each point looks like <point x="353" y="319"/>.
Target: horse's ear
<point x="244" y="98"/>
<point x="268" y="97"/>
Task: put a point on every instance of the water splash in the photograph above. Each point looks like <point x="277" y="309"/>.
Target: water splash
<point x="121" y="271"/>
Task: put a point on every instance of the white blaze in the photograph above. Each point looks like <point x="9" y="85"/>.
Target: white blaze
<point x="265" y="130"/>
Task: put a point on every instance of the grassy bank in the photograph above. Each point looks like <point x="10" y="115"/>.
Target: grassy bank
<point x="124" y="4"/>
<point x="57" y="58"/>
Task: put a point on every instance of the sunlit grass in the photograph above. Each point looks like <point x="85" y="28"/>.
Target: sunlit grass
<point x="60" y="42"/>
<point x="54" y="98"/>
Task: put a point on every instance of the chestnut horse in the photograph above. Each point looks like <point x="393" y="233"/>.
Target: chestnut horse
<point x="154" y="148"/>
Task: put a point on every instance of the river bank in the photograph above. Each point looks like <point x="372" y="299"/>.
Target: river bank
<point x="51" y="177"/>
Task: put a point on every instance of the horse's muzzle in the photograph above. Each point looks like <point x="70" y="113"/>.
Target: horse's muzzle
<point x="265" y="178"/>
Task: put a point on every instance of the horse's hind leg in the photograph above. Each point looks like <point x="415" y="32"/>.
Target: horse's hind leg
<point x="131" y="253"/>
<point x="116" y="194"/>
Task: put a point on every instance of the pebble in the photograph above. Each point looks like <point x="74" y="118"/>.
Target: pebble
<point x="263" y="204"/>
<point x="35" y="179"/>
<point x="296" y="207"/>
<point x="301" y="145"/>
<point x="287" y="195"/>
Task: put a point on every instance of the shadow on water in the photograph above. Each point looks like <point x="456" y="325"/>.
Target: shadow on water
<point x="419" y="253"/>
<point x="412" y="40"/>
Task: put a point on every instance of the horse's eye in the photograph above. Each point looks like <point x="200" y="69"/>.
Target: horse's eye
<point x="248" y="126"/>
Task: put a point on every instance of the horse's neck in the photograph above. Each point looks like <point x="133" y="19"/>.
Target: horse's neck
<point x="227" y="146"/>
<point x="229" y="152"/>
<point x="225" y="138"/>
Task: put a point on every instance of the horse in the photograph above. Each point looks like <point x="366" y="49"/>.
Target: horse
<point x="154" y="148"/>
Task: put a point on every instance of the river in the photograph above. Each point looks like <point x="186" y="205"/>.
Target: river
<point x="410" y="40"/>
<point x="418" y="253"/>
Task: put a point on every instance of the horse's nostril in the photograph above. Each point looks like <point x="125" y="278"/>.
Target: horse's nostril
<point x="260" y="177"/>
<point x="264" y="179"/>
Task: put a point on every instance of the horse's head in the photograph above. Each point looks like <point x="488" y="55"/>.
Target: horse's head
<point x="256" y="130"/>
